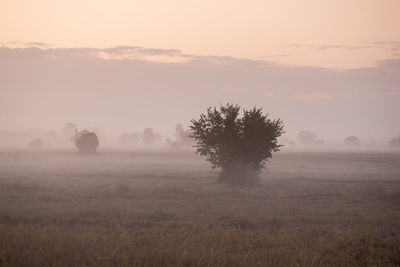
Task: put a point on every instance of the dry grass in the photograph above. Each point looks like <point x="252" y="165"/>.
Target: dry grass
<point x="157" y="209"/>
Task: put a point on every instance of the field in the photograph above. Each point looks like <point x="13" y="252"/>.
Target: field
<point x="167" y="209"/>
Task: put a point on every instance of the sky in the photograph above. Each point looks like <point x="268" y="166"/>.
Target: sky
<point x="331" y="33"/>
<point x="331" y="67"/>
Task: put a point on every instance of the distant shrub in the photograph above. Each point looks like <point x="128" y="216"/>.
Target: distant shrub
<point x="395" y="142"/>
<point x="182" y="138"/>
<point x="351" y="140"/>
<point x="308" y="138"/>
<point x="35" y="144"/>
<point x="86" y="142"/>
<point x="148" y="136"/>
<point x="69" y="130"/>
<point x="128" y="139"/>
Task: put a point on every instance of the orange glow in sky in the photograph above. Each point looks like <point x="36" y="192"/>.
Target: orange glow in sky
<point x="334" y="34"/>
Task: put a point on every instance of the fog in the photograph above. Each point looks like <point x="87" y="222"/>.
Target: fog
<point x="127" y="89"/>
<point x="199" y="133"/>
<point x="97" y="160"/>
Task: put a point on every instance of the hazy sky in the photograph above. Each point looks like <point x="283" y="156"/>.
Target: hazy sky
<point x="332" y="67"/>
<point x="323" y="33"/>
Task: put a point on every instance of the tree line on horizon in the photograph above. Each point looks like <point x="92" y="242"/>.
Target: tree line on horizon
<point x="181" y="139"/>
<point x="235" y="140"/>
<point x="150" y="138"/>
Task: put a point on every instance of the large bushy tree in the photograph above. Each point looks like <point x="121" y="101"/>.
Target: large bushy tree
<point x="240" y="146"/>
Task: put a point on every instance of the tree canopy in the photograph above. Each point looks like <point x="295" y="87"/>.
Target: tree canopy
<point x="240" y="146"/>
<point x="86" y="142"/>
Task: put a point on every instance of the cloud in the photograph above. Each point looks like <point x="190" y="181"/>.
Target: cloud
<point x="127" y="50"/>
<point x="41" y="87"/>
<point x="314" y="96"/>
<point x="141" y="53"/>
<point x="390" y="64"/>
<point x="390" y="43"/>
<point x="27" y="44"/>
<point x="274" y="56"/>
<point x="393" y="46"/>
<point x="344" y="47"/>
<point x="36" y="44"/>
<point x="395" y="92"/>
<point x="331" y="46"/>
<point x="325" y="47"/>
<point x="112" y="53"/>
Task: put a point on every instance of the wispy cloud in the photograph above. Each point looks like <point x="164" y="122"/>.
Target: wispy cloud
<point x="273" y="56"/>
<point x="141" y="53"/>
<point x="331" y="46"/>
<point x="114" y="53"/>
<point x="390" y="64"/>
<point x="395" y="92"/>
<point x="387" y="43"/>
<point x="345" y="47"/>
<point x="325" y="47"/>
<point x="28" y="44"/>
<point x="36" y="44"/>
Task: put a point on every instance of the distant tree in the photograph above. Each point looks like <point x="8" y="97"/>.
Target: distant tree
<point x="182" y="138"/>
<point x="148" y="136"/>
<point x="35" y="144"/>
<point x="128" y="139"/>
<point x="306" y="137"/>
<point x="395" y="142"/>
<point x="157" y="138"/>
<point x="351" y="141"/>
<point x="86" y="142"/>
<point x="69" y="130"/>
<point x="51" y="138"/>
<point x="240" y="146"/>
<point x="100" y="133"/>
<point x="319" y="141"/>
<point x="286" y="141"/>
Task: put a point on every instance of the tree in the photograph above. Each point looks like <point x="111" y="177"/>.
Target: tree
<point x="239" y="146"/>
<point x="128" y="139"/>
<point x="306" y="137"/>
<point x="148" y="136"/>
<point x="351" y="141"/>
<point x="309" y="138"/>
<point x="35" y="144"/>
<point x="182" y="138"/>
<point x="69" y="130"/>
<point x="86" y="142"/>
<point x="395" y="142"/>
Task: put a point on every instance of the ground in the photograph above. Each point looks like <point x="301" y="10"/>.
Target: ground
<point x="166" y="208"/>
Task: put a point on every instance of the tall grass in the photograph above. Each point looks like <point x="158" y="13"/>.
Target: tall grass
<point x="168" y="210"/>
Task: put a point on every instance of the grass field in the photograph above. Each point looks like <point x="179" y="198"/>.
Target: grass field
<point x="167" y="209"/>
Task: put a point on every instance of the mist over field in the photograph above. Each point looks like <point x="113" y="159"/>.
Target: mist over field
<point x="167" y="208"/>
<point x="111" y="89"/>
<point x="199" y="133"/>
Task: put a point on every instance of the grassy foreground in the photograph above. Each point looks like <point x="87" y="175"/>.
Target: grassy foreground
<point x="163" y="209"/>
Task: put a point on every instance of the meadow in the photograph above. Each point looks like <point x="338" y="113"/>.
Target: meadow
<point x="166" y="208"/>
